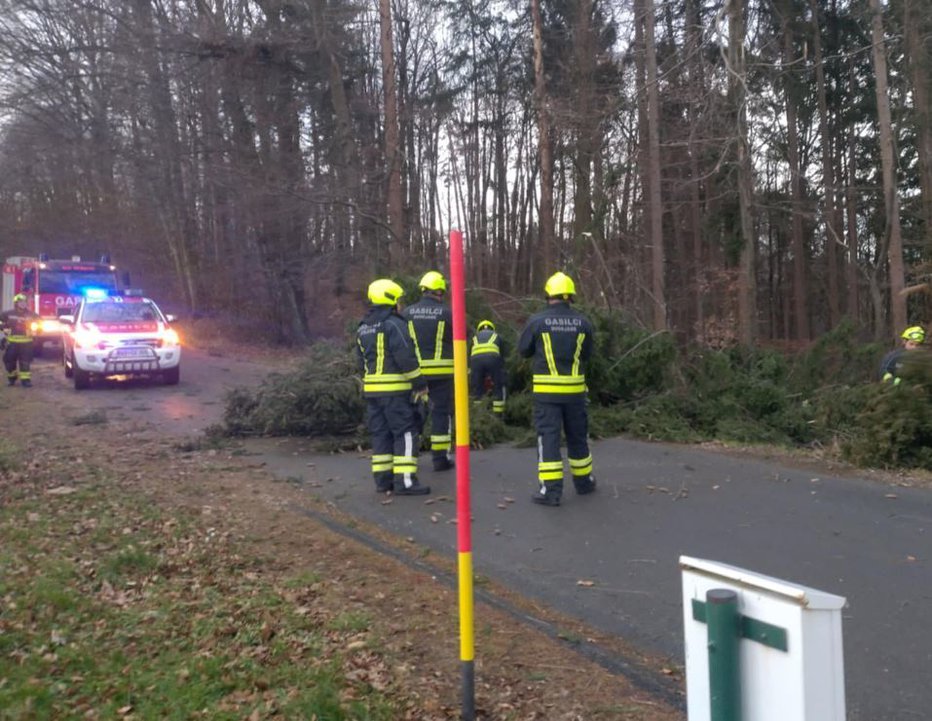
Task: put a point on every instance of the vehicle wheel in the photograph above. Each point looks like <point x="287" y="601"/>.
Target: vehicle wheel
<point x="82" y="379"/>
<point x="69" y="370"/>
<point x="172" y="376"/>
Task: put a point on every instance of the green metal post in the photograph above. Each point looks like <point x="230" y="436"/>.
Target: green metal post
<point x="724" y="636"/>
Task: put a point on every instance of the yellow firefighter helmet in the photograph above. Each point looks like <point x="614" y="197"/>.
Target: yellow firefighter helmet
<point x="385" y="291"/>
<point x="559" y="285"/>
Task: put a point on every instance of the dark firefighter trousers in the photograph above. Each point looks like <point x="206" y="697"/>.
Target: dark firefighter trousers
<point x="393" y="433"/>
<point x="488" y="365"/>
<point x="570" y="416"/>
<point x="440" y="391"/>
<point x="18" y="352"/>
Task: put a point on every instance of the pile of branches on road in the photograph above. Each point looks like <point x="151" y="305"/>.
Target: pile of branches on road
<point x="643" y="385"/>
<point x="321" y="398"/>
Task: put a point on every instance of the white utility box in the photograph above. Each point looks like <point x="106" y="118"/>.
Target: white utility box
<point x="791" y="666"/>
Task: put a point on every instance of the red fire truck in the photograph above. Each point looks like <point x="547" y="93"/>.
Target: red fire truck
<point x="54" y="287"/>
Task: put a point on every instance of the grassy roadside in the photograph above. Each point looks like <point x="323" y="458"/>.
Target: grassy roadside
<point x="151" y="578"/>
<point x="115" y="608"/>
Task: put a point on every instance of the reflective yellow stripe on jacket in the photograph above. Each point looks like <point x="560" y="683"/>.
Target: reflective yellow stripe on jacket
<point x="435" y="366"/>
<point x="21" y="330"/>
<point x="379" y="381"/>
<point x="489" y="347"/>
<point x="555" y="382"/>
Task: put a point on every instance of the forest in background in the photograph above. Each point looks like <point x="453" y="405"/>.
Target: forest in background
<point x="747" y="172"/>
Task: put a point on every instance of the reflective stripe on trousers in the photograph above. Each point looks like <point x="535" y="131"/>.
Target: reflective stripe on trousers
<point x="393" y="432"/>
<point x="18" y="355"/>
<point x="572" y="418"/>
<point x="440" y="392"/>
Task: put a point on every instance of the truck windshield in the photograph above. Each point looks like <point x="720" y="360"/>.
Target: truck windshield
<point x="74" y="282"/>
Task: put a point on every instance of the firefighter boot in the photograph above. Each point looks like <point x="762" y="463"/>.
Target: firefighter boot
<point x="384" y="482"/>
<point x="443" y="462"/>
<point x="11" y="380"/>
<point x="410" y="487"/>
<point x="549" y="494"/>
<point x="27" y="383"/>
<point x="584" y="484"/>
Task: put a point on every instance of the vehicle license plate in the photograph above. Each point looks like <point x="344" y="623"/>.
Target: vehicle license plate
<point x="131" y="366"/>
<point x="132" y="353"/>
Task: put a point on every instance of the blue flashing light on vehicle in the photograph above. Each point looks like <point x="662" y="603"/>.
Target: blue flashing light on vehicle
<point x="95" y="293"/>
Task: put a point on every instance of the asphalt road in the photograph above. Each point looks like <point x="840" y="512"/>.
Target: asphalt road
<point x="849" y="536"/>
<point x="185" y="409"/>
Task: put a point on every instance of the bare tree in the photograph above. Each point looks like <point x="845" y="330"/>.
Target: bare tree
<point x="655" y="202"/>
<point x="893" y="240"/>
<point x="737" y="73"/>
<point x="545" y="150"/>
<point x="393" y="155"/>
<point x="800" y="251"/>
<point x="833" y="234"/>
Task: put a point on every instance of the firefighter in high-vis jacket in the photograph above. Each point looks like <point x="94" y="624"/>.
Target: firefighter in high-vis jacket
<point x="892" y="363"/>
<point x="392" y="384"/>
<point x="18" y="327"/>
<point x="487" y="362"/>
<point x="430" y="323"/>
<point x="559" y="341"/>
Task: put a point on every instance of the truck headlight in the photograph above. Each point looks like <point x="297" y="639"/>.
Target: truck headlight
<point x="86" y="339"/>
<point x="169" y="337"/>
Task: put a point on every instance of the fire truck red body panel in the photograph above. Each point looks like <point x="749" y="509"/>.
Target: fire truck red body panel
<point x="53" y="287"/>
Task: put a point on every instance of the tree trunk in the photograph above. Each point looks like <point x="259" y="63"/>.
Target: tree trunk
<point x="176" y="221"/>
<point x="501" y="180"/>
<point x="747" y="281"/>
<point x="653" y="170"/>
<point x="545" y="151"/>
<point x="800" y="259"/>
<point x="392" y="134"/>
<point x="641" y="212"/>
<point x="351" y="213"/>
<point x="696" y="77"/>
<point x="893" y="236"/>
<point x="584" y="117"/>
<point x="914" y="22"/>
<point x="410" y="187"/>
<point x="831" y="218"/>
<point x="851" y="267"/>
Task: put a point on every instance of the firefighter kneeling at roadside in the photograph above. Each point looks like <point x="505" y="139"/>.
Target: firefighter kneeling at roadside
<point x="487" y="363"/>
<point x="392" y="384"/>
<point x="18" y="326"/>
<point x="559" y="340"/>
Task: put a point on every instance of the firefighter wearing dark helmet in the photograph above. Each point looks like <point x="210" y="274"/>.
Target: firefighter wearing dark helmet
<point x="392" y="382"/>
<point x="18" y="327"/>
<point x="487" y="361"/>
<point x="559" y="341"/>
<point x="430" y="323"/>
